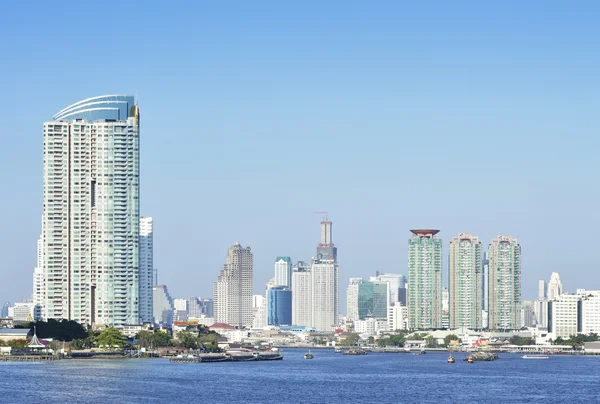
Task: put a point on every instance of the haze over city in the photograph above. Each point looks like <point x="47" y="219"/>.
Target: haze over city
<point x="388" y="118"/>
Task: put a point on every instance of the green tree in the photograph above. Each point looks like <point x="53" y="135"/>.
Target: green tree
<point x="187" y="339"/>
<point x="111" y="337"/>
<point x="350" y="339"/>
<point x="161" y="338"/>
<point x="431" y="342"/>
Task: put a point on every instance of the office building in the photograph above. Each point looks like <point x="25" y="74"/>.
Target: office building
<point x="373" y="299"/>
<point x="283" y="271"/>
<point x="554" y="286"/>
<point x="424" y="280"/>
<point x="564" y="314"/>
<point x="445" y="308"/>
<point x="542" y="289"/>
<point x="397" y="317"/>
<point x="505" y="284"/>
<point x="279" y="303"/>
<point x="302" y="295"/>
<point x="325" y="294"/>
<point x="162" y="306"/>
<point x="259" y="311"/>
<point x="146" y="269"/>
<point x="590" y="311"/>
<point x="371" y="326"/>
<point x="464" y="279"/>
<point x="4" y="311"/>
<point x="527" y="317"/>
<point x="90" y="222"/>
<point x="540" y="312"/>
<point x="233" y="288"/>
<point x="352" y="299"/>
<point x="397" y="284"/>
<point x="24" y="312"/>
<point x="199" y="307"/>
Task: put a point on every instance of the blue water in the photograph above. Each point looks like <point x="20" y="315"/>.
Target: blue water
<point x="329" y="378"/>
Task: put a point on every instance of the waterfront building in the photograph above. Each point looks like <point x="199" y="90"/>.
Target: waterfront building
<point x="485" y="277"/>
<point x="464" y="279"/>
<point x="279" y="303"/>
<point x="283" y="271"/>
<point x="352" y="299"/>
<point x="371" y="326"/>
<point x="527" y="314"/>
<point x="90" y="223"/>
<point x="302" y="295"/>
<point x="564" y="313"/>
<point x="162" y="306"/>
<point x="554" y="286"/>
<point x="505" y="284"/>
<point x="146" y="269"/>
<point x="233" y="288"/>
<point x="590" y="311"/>
<point x="425" y="280"/>
<point x="325" y="294"/>
<point x="373" y="299"/>
<point x="397" y="317"/>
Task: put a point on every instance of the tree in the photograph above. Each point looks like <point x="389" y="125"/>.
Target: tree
<point x="516" y="340"/>
<point x="350" y="339"/>
<point x="449" y="338"/>
<point x="431" y="341"/>
<point x="187" y="339"/>
<point x="111" y="337"/>
<point x="161" y="338"/>
<point x="63" y="330"/>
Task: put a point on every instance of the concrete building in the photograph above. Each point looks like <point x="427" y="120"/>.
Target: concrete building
<point x="259" y="311"/>
<point x="397" y="317"/>
<point x="325" y="294"/>
<point x="23" y="312"/>
<point x="146" y="269"/>
<point x="397" y="284"/>
<point x="424" y="280"/>
<point x="90" y="221"/>
<point x="445" y="308"/>
<point x="162" y="306"/>
<point x="540" y="309"/>
<point x="302" y="295"/>
<point x="233" y="288"/>
<point x="485" y="277"/>
<point x="505" y="284"/>
<point x="180" y="304"/>
<point x="554" y="286"/>
<point x="200" y="307"/>
<point x="352" y="299"/>
<point x="564" y="312"/>
<point x="4" y="311"/>
<point x="326" y="250"/>
<point x="283" y="271"/>
<point x="590" y="311"/>
<point x="279" y="303"/>
<point x="39" y="283"/>
<point x="465" y="284"/>
<point x="527" y="317"/>
<point x="542" y="289"/>
<point x="371" y="326"/>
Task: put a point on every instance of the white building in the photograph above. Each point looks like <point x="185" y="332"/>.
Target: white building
<point x="352" y="299"/>
<point x="325" y="294"/>
<point x="563" y="315"/>
<point x="233" y="289"/>
<point x="162" y="305"/>
<point x="371" y="326"/>
<point x="39" y="283"/>
<point x="25" y="312"/>
<point x="283" y="271"/>
<point x="540" y="309"/>
<point x="302" y="295"/>
<point x="180" y="304"/>
<point x="259" y="311"/>
<point x="397" y="317"/>
<point x="542" y="289"/>
<point x="146" y="269"/>
<point x="554" y="286"/>
<point x="90" y="220"/>
<point x="590" y="311"/>
<point x="397" y="284"/>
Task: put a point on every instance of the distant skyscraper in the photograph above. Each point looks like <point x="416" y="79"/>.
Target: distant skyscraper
<point x="373" y="299"/>
<point x="39" y="283"/>
<point x="485" y="279"/>
<point x="424" y="280"/>
<point x="326" y="249"/>
<point x="259" y="311"/>
<point x="4" y="312"/>
<point x="233" y="288"/>
<point x="527" y="313"/>
<point x="505" y="284"/>
<point x="283" y="271"/>
<point x="352" y="299"/>
<point x="90" y="222"/>
<point x="146" y="269"/>
<point x="199" y="307"/>
<point x="542" y="289"/>
<point x="279" y="302"/>
<point x="302" y="295"/>
<point x="397" y="284"/>
<point x="554" y="286"/>
<point x="464" y="280"/>
<point x="540" y="309"/>
<point x="162" y="305"/>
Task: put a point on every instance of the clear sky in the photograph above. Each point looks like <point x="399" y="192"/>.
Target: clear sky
<point x="477" y="117"/>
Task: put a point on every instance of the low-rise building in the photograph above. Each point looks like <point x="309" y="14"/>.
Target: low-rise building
<point x="13" y="334"/>
<point x="371" y="326"/>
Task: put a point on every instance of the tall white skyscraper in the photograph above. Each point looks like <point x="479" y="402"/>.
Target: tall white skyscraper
<point x="325" y="294"/>
<point x="352" y="299"/>
<point x="283" y="271"/>
<point x="301" y="295"/>
<point x="146" y="269"/>
<point x="465" y="285"/>
<point x="554" y="286"/>
<point x="90" y="222"/>
<point x="39" y="285"/>
<point x="505" y="284"/>
<point x="233" y="289"/>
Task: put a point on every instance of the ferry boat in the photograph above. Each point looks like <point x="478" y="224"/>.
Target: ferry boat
<point x="535" y="357"/>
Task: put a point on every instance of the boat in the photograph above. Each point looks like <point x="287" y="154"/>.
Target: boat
<point x="353" y="351"/>
<point x="308" y="355"/>
<point x="470" y="359"/>
<point x="422" y="352"/>
<point x="535" y="357"/>
<point x="451" y="359"/>
<point x="337" y="350"/>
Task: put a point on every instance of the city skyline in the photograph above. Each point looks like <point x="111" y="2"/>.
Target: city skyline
<point x="350" y="134"/>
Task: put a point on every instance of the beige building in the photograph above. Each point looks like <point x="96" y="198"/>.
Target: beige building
<point x="504" y="284"/>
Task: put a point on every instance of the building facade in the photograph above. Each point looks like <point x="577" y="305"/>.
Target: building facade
<point x="590" y="311"/>
<point x="425" y="280"/>
<point x="564" y="314"/>
<point x="39" y="284"/>
<point x="352" y="299"/>
<point x="554" y="286"/>
<point x="465" y="284"/>
<point x="325" y="294"/>
<point x="397" y="285"/>
<point x="527" y="317"/>
<point x="90" y="223"/>
<point x="302" y="295"/>
<point x="505" y="284"/>
<point x="146" y="269"/>
<point x="397" y="317"/>
<point x="283" y="271"/>
<point x="373" y="299"/>
<point x="162" y="306"/>
<point x="233" y="289"/>
<point x="279" y="302"/>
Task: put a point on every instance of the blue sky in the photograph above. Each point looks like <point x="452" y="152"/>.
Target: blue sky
<point x="477" y="117"/>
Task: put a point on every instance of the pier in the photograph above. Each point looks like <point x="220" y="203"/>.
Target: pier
<point x="236" y="357"/>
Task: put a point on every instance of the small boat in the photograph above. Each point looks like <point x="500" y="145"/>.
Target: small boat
<point x="451" y="359"/>
<point x="470" y="359"/>
<point x="308" y="355"/>
<point x="535" y="357"/>
<point x="337" y="350"/>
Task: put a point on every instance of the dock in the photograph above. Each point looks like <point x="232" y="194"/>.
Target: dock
<point x="233" y="357"/>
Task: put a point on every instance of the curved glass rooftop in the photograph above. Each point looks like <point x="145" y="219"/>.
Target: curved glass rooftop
<point x="114" y="107"/>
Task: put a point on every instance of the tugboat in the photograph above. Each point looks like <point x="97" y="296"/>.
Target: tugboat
<point x="308" y="355"/>
<point x="451" y="359"/>
<point x="470" y="359"/>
